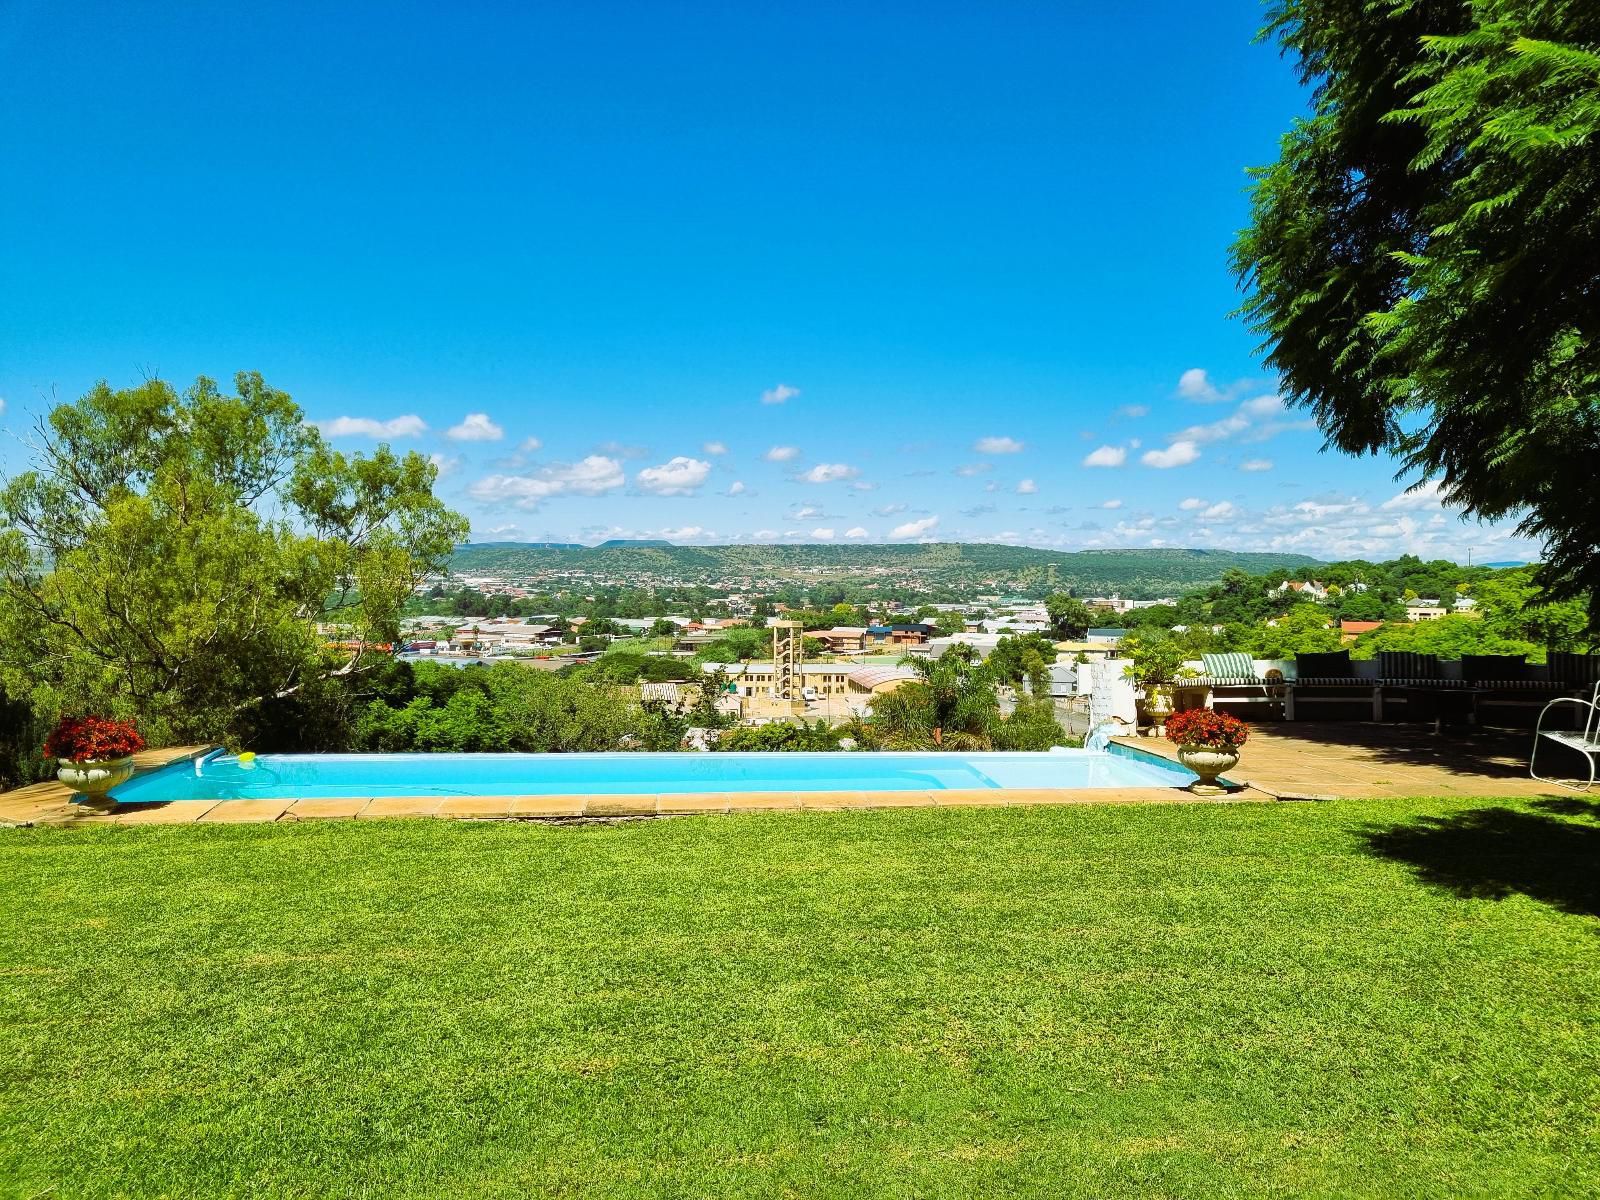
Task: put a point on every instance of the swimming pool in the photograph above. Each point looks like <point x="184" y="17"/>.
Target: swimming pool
<point x="219" y="776"/>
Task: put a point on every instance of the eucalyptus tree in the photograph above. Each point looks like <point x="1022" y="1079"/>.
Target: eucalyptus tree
<point x="1423" y="259"/>
<point x="171" y="555"/>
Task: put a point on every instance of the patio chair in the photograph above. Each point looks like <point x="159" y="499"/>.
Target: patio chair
<point x="1585" y="739"/>
<point x="1329" y="678"/>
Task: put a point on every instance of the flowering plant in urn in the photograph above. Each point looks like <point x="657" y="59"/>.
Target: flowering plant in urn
<point x="1208" y="744"/>
<point x="94" y="754"/>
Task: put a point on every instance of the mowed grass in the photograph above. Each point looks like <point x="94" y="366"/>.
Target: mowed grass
<point x="1356" y="998"/>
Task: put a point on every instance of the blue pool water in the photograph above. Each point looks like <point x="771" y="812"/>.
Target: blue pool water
<point x="220" y="776"/>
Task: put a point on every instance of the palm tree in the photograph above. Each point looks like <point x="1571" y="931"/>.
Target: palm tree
<point x="957" y="694"/>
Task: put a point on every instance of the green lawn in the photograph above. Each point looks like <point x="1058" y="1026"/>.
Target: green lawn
<point x="1374" y="998"/>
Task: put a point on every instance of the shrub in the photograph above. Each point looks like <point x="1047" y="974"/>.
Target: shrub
<point x="781" y="737"/>
<point x="92" y="739"/>
<point x="1204" y="727"/>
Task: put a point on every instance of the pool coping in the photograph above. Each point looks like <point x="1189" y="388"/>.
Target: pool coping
<point x="50" y="802"/>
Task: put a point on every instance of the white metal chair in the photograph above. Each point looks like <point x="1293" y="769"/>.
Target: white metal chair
<point x="1585" y="741"/>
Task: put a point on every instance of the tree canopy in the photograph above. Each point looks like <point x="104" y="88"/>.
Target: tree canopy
<point x="1423" y="259"/>
<point x="171" y="555"/>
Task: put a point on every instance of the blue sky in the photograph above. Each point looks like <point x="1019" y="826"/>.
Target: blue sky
<point x="705" y="272"/>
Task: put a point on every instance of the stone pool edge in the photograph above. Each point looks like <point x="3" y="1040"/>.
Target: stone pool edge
<point x="49" y="803"/>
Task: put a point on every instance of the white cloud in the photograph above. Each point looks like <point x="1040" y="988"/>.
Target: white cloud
<point x="530" y="444"/>
<point x="1179" y="454"/>
<point x="970" y="469"/>
<point x="475" y="427"/>
<point x="679" y="535"/>
<point x="888" y="510"/>
<point x="806" y="512"/>
<point x="410" y="425"/>
<point x="680" y="476"/>
<point x="825" y="535"/>
<point x="591" y="477"/>
<point x="781" y="394"/>
<point x="829" y="473"/>
<point x="782" y="453"/>
<point x="997" y="445"/>
<point x="855" y="532"/>
<point x="443" y="464"/>
<point x="1027" y="488"/>
<point x="714" y="448"/>
<point x="764" y="534"/>
<point x="861" y="485"/>
<point x="1192" y="504"/>
<point x="1134" y="410"/>
<point x="1195" y="384"/>
<point x="913" y="529"/>
<point x="1221" y="511"/>
<point x="1107" y="456"/>
<point x="1424" y="495"/>
<point x="736" y="488"/>
<point x="1112" y="504"/>
<point x="1256" y="464"/>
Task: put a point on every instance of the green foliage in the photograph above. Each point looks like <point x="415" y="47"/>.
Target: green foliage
<point x="1304" y="629"/>
<point x="1448" y="637"/>
<point x="782" y="736"/>
<point x="169" y="555"/>
<point x="22" y="733"/>
<point x="1031" y="726"/>
<point x="1153" y="657"/>
<point x="1422" y="257"/>
<point x="506" y="707"/>
<point x="1069" y="616"/>
<point x="625" y="665"/>
<point x="953" y="706"/>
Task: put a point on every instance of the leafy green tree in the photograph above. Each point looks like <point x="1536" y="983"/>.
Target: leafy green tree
<point x="1304" y="629"/>
<point x="1448" y="637"/>
<point x="1070" y="617"/>
<point x="1422" y="257"/>
<point x="952" y="703"/>
<point x="170" y="555"/>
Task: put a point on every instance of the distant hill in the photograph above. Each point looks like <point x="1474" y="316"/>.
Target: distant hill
<point x="965" y="566"/>
<point x="618" y="543"/>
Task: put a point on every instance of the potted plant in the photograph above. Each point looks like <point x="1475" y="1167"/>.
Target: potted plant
<point x="1153" y="663"/>
<point x="93" y="755"/>
<point x="1208" y="744"/>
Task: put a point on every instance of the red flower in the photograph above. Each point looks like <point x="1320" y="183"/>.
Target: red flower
<point x="1206" y="727"/>
<point x="92" y="739"/>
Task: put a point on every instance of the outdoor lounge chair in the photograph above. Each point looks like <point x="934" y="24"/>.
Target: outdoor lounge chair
<point x="1232" y="678"/>
<point x="1330" y="678"/>
<point x="1585" y="738"/>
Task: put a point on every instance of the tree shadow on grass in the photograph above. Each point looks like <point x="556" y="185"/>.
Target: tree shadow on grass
<point x="1570" y="806"/>
<point x="1491" y="853"/>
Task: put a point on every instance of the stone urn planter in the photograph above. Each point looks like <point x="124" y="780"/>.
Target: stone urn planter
<point x="93" y="755"/>
<point x="1208" y="762"/>
<point x="92" y="780"/>
<point x="1208" y="744"/>
<point x="1157" y="705"/>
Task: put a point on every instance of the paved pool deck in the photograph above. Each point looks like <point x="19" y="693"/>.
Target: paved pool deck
<point x="1336" y="760"/>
